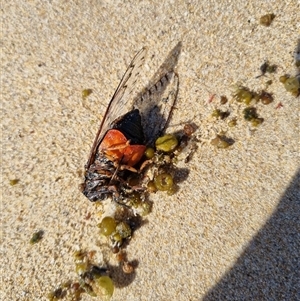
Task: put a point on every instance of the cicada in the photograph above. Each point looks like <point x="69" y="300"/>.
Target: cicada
<point x="129" y="125"/>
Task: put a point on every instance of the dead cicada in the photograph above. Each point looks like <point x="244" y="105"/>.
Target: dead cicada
<point x="127" y="128"/>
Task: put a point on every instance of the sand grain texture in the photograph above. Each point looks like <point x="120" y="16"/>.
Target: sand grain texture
<point x="232" y="230"/>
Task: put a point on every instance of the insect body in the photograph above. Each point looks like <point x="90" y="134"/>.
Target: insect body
<point x="121" y="141"/>
<point x="121" y="148"/>
<point x="124" y="142"/>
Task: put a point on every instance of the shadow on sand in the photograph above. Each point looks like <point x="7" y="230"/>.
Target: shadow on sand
<point x="269" y="268"/>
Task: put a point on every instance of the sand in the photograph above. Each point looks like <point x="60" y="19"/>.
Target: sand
<point x="231" y="232"/>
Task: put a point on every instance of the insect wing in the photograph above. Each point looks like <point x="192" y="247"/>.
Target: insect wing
<point x="117" y="105"/>
<point x="156" y="105"/>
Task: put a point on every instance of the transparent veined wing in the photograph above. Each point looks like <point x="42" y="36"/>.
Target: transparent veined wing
<point x="117" y="104"/>
<point x="156" y="105"/>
